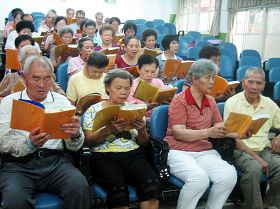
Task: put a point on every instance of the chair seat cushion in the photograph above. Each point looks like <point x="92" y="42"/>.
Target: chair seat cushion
<point x="48" y="201"/>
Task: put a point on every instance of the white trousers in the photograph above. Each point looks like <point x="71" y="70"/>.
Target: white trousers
<point x="197" y="169"/>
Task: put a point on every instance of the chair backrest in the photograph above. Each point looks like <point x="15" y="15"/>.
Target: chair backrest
<point x="130" y="21"/>
<point x="202" y="44"/>
<point x="193" y="53"/>
<point x="158" y="22"/>
<point x="196" y="35"/>
<point x="250" y="61"/>
<point x="159" y="40"/>
<point x="140" y="21"/>
<point x="160" y="28"/>
<point x="273" y="62"/>
<point x="241" y="72"/>
<point x="159" y="122"/>
<point x="221" y="106"/>
<point x="228" y="52"/>
<point x="179" y="84"/>
<point x="250" y="52"/>
<point x="276" y="91"/>
<point x="183" y="50"/>
<point x="186" y="38"/>
<point x="62" y="76"/>
<point x="150" y="24"/>
<point x="206" y="38"/>
<point x="170" y="27"/>
<point x="34" y="14"/>
<point x="226" y="69"/>
<point x="274" y="74"/>
<point x="140" y="29"/>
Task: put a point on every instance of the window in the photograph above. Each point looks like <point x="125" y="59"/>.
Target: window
<point x="257" y="29"/>
<point x="198" y="15"/>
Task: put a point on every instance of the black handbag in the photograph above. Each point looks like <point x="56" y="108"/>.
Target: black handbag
<point x="225" y="147"/>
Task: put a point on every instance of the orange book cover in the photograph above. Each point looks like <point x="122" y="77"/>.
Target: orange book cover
<point x="12" y="59"/>
<point x="86" y="101"/>
<point x="133" y="70"/>
<point x="184" y="68"/>
<point x="70" y="20"/>
<point x="118" y="38"/>
<point x="35" y="115"/>
<point x="112" y="50"/>
<point x="171" y="67"/>
<point x="221" y="85"/>
<point x="241" y="123"/>
<point x="57" y="39"/>
<point x="62" y="49"/>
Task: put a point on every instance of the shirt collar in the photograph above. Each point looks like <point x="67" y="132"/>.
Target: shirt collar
<point x="191" y="101"/>
<point x="163" y="57"/>
<point x="48" y="99"/>
<point x="81" y="61"/>
<point x="247" y="104"/>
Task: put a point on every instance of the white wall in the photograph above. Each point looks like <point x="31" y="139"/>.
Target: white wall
<point x="124" y="9"/>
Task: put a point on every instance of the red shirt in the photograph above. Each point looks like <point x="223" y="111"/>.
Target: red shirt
<point x="183" y="110"/>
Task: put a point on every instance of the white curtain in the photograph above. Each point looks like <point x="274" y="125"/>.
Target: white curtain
<point x="180" y="16"/>
<point x="215" y="26"/>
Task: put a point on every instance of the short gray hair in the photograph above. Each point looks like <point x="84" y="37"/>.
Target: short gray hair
<point x="65" y="30"/>
<point x="116" y="73"/>
<point x="254" y="70"/>
<point x="201" y="68"/>
<point x="23" y="51"/>
<point x="43" y="62"/>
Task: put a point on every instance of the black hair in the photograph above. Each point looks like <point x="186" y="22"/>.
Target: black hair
<point x="23" y="37"/>
<point x="90" y="23"/>
<point x="16" y="10"/>
<point x="167" y="40"/>
<point x="147" y="59"/>
<point x="209" y="51"/>
<point x="58" y="18"/>
<point x="112" y="19"/>
<point x="128" y="26"/>
<point x="83" y="23"/>
<point x="148" y="32"/>
<point x="82" y="40"/>
<point x="24" y="24"/>
<point x="98" y="60"/>
<point x="17" y="13"/>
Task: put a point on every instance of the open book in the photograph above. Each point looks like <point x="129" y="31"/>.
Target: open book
<point x="12" y="59"/>
<point x="241" y="123"/>
<point x="61" y="49"/>
<point x="178" y="68"/>
<point x="112" y="59"/>
<point x="133" y="70"/>
<point x="151" y="94"/>
<point x="86" y="101"/>
<point x="112" y="50"/>
<point x="57" y="39"/>
<point x="28" y="115"/>
<point x="129" y="112"/>
<point x="221" y="85"/>
<point x="117" y="38"/>
<point x="20" y="86"/>
<point x="70" y="20"/>
<point x="38" y="39"/>
<point x="152" y="52"/>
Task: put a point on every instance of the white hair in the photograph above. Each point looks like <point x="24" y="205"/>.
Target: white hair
<point x="42" y="61"/>
<point x="23" y="51"/>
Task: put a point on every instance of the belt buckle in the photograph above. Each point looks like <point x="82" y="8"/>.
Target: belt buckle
<point x="40" y="154"/>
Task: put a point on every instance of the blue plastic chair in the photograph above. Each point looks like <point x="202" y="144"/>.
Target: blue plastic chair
<point x="62" y="76"/>
<point x="179" y="84"/>
<point x="158" y="22"/>
<point x="226" y="69"/>
<point x="250" y="52"/>
<point x="250" y="61"/>
<point x="159" y="40"/>
<point x="276" y="91"/>
<point x="221" y="106"/>
<point x="130" y="21"/>
<point x="48" y="201"/>
<point x="170" y="27"/>
<point x="273" y="62"/>
<point x="274" y="74"/>
<point x="196" y="35"/>
<point x="150" y="24"/>
<point x="186" y="38"/>
<point x="193" y="53"/>
<point x="161" y="29"/>
<point x="37" y="14"/>
<point x="183" y="49"/>
<point x="140" y="29"/>
<point x="230" y="50"/>
<point x="140" y="21"/>
<point x="202" y="44"/>
<point x="209" y="37"/>
<point x="233" y="57"/>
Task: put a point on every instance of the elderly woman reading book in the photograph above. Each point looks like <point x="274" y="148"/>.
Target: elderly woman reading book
<point x="118" y="153"/>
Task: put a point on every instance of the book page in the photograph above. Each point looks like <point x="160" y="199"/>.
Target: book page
<point x="105" y="116"/>
<point x="26" y="116"/>
<point x="237" y="123"/>
<point x="184" y="69"/>
<point x="151" y="52"/>
<point x="86" y="101"/>
<point x="53" y="121"/>
<point x="145" y="91"/>
<point x="165" y="95"/>
<point x="171" y="67"/>
<point x="219" y="87"/>
<point x="258" y="120"/>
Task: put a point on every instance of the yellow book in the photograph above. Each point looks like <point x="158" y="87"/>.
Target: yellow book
<point x="241" y="123"/>
<point x="221" y="85"/>
<point x="38" y="39"/>
<point x="179" y="68"/>
<point x="20" y="86"/>
<point x="129" y="112"/>
<point x="112" y="59"/>
<point x="28" y="115"/>
<point x="86" y="101"/>
<point x="112" y="50"/>
<point x="151" y="94"/>
<point x="152" y="52"/>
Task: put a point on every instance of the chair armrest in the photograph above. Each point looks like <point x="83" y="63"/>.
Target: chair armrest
<point x="157" y="154"/>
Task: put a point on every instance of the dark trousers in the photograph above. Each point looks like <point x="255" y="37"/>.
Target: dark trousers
<point x="19" y="182"/>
